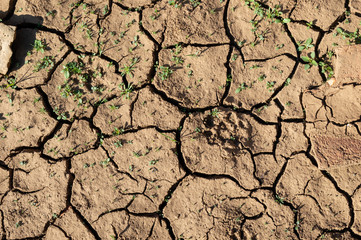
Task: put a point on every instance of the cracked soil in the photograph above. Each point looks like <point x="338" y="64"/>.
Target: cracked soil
<point x="181" y="119"/>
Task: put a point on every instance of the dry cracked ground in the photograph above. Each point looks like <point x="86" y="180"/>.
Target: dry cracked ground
<point x="181" y="119"/>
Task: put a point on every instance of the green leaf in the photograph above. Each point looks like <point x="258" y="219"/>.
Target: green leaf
<point x="66" y="74"/>
<point x="306" y="59"/>
<point x="277" y="20"/>
<point x="339" y="30"/>
<point x="314" y="63"/>
<point x="300" y="48"/>
<point x="308" y="41"/>
<point x="307" y="66"/>
<point x="313" y="54"/>
<point x="286" y="20"/>
<point x="238" y="90"/>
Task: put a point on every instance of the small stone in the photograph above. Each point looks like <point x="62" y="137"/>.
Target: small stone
<point x="331" y="81"/>
<point x="7" y="36"/>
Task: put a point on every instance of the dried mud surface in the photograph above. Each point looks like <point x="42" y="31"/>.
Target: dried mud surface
<point x="181" y="119"/>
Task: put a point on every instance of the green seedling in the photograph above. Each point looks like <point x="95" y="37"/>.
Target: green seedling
<point x="177" y="50"/>
<point x="270" y="85"/>
<point x="164" y="72"/>
<point x="118" y="144"/>
<point x="262" y="77"/>
<point x="327" y="69"/>
<point x="11" y="82"/>
<point x="174" y="3"/>
<point x="305" y="45"/>
<point x="279" y="46"/>
<point x="241" y="87"/>
<point x="44" y="63"/>
<point x="125" y="90"/>
<point x="310" y="60"/>
<point x="177" y="60"/>
<point x="352" y="37"/>
<point x="118" y="131"/>
<point x="113" y="107"/>
<point x="52" y="13"/>
<point x="214" y="113"/>
<point x="195" y="3"/>
<point x="128" y="70"/>
<point x="153" y="162"/>
<point x="288" y="81"/>
<point x="172" y="139"/>
<point x="72" y="68"/>
<point x="105" y="162"/>
<point x="105" y="9"/>
<point x="40" y="46"/>
<point x="309" y="24"/>
<point x="279" y="199"/>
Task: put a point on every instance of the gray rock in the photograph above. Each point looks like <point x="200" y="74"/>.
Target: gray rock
<point x="7" y="36"/>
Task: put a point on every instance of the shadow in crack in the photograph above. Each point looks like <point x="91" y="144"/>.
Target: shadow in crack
<point x="24" y="39"/>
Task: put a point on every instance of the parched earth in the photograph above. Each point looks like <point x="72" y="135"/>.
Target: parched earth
<point x="181" y="119"/>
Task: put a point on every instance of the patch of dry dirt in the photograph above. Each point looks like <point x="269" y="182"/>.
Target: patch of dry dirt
<point x="181" y="119"/>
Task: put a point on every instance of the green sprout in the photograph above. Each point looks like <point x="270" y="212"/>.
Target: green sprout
<point x="40" y="46"/>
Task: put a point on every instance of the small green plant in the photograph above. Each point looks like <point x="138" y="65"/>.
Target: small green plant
<point x="19" y="224"/>
<point x="279" y="46"/>
<point x="279" y="199"/>
<point x="44" y="63"/>
<point x="128" y="70"/>
<point x="310" y="61"/>
<point x="309" y="24"/>
<point x="297" y="225"/>
<point x="113" y="107"/>
<point x="118" y="144"/>
<point x="262" y="77"/>
<point x="270" y="85"/>
<point x="105" y="9"/>
<point x="105" y="162"/>
<point x="352" y="37"/>
<point x="241" y="87"/>
<point x="118" y="131"/>
<point x="11" y="82"/>
<point x="40" y="45"/>
<point x="174" y="3"/>
<point x="305" y="44"/>
<point x="177" y="60"/>
<point x="327" y="69"/>
<point x="125" y="90"/>
<point x="164" y="72"/>
<point x="288" y="81"/>
<point x="214" y="113"/>
<point x="153" y="162"/>
<point x="195" y="3"/>
<point x="72" y="68"/>
<point x="51" y="13"/>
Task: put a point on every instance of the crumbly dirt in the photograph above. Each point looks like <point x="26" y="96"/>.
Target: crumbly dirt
<point x="181" y="119"/>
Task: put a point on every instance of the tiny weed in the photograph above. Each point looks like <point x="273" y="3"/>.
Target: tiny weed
<point x="241" y="87"/>
<point x="128" y="70"/>
<point x="40" y="45"/>
<point x="44" y="63"/>
<point x="214" y="113"/>
<point x="164" y="72"/>
<point x="305" y="44"/>
<point x="125" y="91"/>
<point x="72" y="68"/>
<point x="310" y="61"/>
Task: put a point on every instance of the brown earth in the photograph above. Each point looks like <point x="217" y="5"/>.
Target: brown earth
<point x="181" y="119"/>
